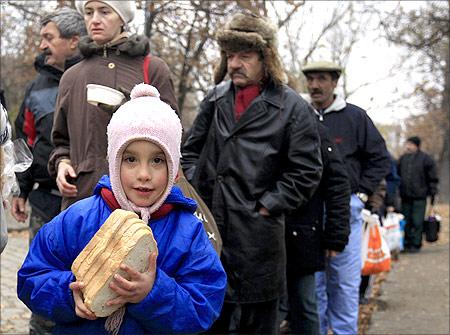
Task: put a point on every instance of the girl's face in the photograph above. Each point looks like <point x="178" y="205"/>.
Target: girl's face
<point x="143" y="172"/>
<point x="102" y="22"/>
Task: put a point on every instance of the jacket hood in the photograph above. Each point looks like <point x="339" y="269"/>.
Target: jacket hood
<point x="134" y="45"/>
<point x="175" y="196"/>
<point x="51" y="71"/>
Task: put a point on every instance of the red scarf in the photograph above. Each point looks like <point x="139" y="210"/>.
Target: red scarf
<point x="112" y="203"/>
<point x="243" y="99"/>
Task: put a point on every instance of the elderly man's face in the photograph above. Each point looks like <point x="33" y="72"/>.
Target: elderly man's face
<point x="245" y="68"/>
<point x="321" y="87"/>
<point x="56" y="48"/>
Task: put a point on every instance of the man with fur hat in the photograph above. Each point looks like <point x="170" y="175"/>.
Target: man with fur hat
<point x="364" y="153"/>
<point x="419" y="180"/>
<point x="253" y="154"/>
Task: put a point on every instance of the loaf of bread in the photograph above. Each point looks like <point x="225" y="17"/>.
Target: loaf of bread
<point x="122" y="239"/>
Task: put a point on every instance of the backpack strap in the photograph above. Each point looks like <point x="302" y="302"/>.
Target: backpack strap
<point x="109" y="198"/>
<point x="145" y="68"/>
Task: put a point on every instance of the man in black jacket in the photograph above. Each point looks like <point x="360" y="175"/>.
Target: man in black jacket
<point x="365" y="156"/>
<point x="311" y="236"/>
<point x="419" y="180"/>
<point x="60" y="33"/>
<point x="253" y="153"/>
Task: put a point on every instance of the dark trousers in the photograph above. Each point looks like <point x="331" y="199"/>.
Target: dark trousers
<point x="304" y="316"/>
<point x="414" y="212"/>
<point x="257" y="318"/>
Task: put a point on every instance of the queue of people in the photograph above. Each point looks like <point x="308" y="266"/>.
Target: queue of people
<point x="285" y="179"/>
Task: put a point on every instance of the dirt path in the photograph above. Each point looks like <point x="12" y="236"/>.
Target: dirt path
<point x="414" y="297"/>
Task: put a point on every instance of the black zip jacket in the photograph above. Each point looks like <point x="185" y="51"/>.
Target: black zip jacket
<point x="360" y="144"/>
<point x="35" y="121"/>
<point x="418" y="175"/>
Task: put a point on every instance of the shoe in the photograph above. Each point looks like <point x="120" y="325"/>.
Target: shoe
<point x="411" y="250"/>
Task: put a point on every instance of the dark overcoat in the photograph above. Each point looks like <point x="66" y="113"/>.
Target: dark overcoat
<point x="269" y="158"/>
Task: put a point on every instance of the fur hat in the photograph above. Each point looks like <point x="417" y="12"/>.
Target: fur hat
<point x="125" y="9"/>
<point x="250" y="32"/>
<point x="144" y="117"/>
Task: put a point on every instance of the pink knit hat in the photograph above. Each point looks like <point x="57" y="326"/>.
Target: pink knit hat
<point x="144" y="117"/>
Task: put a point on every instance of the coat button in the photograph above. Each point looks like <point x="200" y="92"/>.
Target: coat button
<point x="111" y="65"/>
<point x="329" y="149"/>
<point x="314" y="228"/>
<point x="294" y="233"/>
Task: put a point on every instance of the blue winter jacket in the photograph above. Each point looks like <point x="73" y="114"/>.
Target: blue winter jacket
<point x="190" y="282"/>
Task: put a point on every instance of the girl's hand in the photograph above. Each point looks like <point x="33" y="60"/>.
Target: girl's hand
<point x="135" y="289"/>
<point x="80" y="308"/>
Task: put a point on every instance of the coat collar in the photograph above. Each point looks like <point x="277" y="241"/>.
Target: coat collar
<point x="134" y="45"/>
<point x="271" y="94"/>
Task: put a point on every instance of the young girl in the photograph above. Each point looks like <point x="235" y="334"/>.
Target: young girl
<point x="184" y="288"/>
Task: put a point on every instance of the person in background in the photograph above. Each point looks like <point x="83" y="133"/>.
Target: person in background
<point x="60" y="33"/>
<point x="253" y="154"/>
<point x="112" y="58"/>
<point x="311" y="237"/>
<point x="381" y="202"/>
<point x="366" y="158"/>
<point x="183" y="289"/>
<point x="391" y="202"/>
<point x="419" y="180"/>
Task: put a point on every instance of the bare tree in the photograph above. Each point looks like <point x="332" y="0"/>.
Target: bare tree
<point x="425" y="32"/>
<point x="182" y="33"/>
<point x="20" y="42"/>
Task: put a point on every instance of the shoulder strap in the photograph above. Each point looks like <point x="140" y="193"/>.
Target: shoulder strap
<point x="109" y="198"/>
<point x="145" y="68"/>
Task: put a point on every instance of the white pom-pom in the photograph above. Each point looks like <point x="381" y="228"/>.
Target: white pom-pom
<point x="144" y="90"/>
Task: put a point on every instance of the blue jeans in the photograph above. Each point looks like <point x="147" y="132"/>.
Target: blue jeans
<point x="337" y="287"/>
<point x="304" y="317"/>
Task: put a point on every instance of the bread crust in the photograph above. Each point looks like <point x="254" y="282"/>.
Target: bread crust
<point x="123" y="238"/>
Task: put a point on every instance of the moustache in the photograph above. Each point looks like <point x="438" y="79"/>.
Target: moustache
<point x="316" y="92"/>
<point x="47" y="52"/>
<point x="238" y="72"/>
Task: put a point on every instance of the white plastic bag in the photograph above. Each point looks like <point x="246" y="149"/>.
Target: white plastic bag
<point x="17" y="157"/>
<point x="392" y="232"/>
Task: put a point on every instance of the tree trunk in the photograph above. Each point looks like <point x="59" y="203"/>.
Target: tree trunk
<point x="444" y="161"/>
